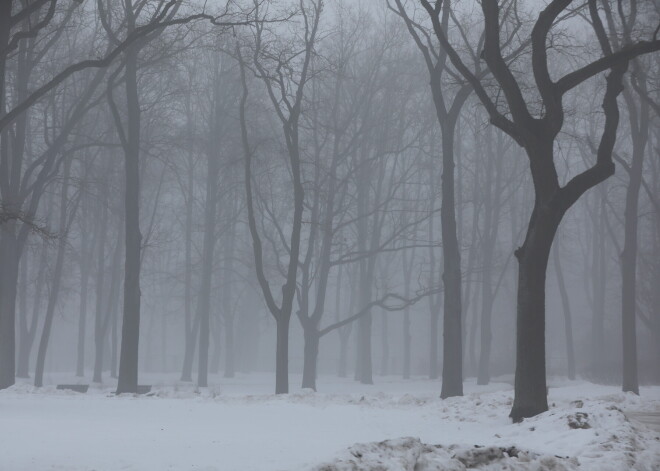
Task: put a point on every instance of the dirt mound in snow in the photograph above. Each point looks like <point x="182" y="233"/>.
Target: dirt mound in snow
<point x="410" y="454"/>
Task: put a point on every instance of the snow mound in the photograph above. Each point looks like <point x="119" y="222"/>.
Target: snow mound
<point x="410" y="454"/>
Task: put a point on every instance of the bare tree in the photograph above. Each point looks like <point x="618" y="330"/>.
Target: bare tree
<point x="286" y="92"/>
<point x="537" y="134"/>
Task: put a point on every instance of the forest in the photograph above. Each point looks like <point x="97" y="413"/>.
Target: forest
<point x="330" y="234"/>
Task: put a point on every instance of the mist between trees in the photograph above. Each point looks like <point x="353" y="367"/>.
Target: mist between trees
<point x="415" y="188"/>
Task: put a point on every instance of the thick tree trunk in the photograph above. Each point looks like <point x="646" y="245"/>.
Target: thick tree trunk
<point x="639" y="122"/>
<point x="282" y="356"/>
<point x="9" y="253"/>
<point x="9" y="261"/>
<point x="530" y="381"/>
<point x="365" y="375"/>
<point x="130" y="331"/>
<point x="452" y="366"/>
<point x="628" y="284"/>
<point x="310" y="357"/>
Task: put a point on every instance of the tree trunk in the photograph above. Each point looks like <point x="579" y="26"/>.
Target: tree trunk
<point x="227" y="299"/>
<point x="364" y="349"/>
<point x="406" y="343"/>
<point x="57" y="279"/>
<point x="84" y="283"/>
<point x="23" y="359"/>
<point x="599" y="289"/>
<point x="639" y="123"/>
<point x="190" y="325"/>
<point x="100" y="288"/>
<point x="230" y="368"/>
<point x="130" y="331"/>
<point x="452" y="366"/>
<point x="282" y="356"/>
<point x="530" y="381"/>
<point x="9" y="260"/>
<point x="310" y="357"/>
<point x="568" y="325"/>
<point x="189" y="354"/>
<point x="204" y="300"/>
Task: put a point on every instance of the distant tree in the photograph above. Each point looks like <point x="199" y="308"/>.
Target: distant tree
<point x="285" y="85"/>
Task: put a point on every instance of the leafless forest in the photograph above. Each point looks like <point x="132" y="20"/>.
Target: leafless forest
<point x="409" y="188"/>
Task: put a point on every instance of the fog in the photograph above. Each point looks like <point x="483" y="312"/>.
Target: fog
<point x="201" y="195"/>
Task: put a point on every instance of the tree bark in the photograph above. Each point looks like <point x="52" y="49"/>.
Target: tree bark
<point x="310" y="358"/>
<point x="130" y="331"/>
<point x="452" y="366"/>
<point x="23" y="359"/>
<point x="639" y="123"/>
<point x="8" y="285"/>
<point x="282" y="356"/>
<point x="530" y="380"/>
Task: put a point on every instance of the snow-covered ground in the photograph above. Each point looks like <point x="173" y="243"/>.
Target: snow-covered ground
<point x="238" y="424"/>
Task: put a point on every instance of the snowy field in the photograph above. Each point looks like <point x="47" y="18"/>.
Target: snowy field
<point x="238" y="424"/>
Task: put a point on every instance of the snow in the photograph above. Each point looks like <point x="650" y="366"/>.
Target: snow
<point x="237" y="424"/>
